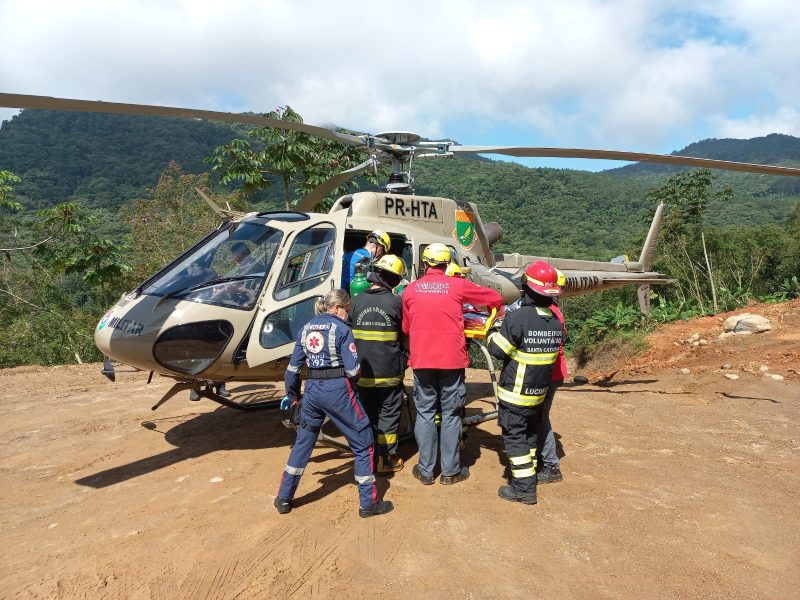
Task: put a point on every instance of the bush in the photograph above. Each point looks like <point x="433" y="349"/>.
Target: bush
<point x="611" y="351"/>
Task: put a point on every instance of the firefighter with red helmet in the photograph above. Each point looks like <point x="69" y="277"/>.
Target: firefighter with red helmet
<point x="434" y="320"/>
<point x="376" y="317"/>
<point x="528" y="343"/>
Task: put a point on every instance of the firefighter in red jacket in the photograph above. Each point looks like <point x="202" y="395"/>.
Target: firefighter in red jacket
<point x="528" y="343"/>
<point x="434" y="320"/>
<point x="376" y="317"/>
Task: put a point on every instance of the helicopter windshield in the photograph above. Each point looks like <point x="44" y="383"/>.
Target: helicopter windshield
<point x="227" y="269"/>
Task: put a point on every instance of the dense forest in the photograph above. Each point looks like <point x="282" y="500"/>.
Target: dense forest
<point x="107" y="160"/>
<point x="87" y="182"/>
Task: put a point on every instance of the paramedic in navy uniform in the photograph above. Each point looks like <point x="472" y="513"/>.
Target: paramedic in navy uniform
<point x="327" y="347"/>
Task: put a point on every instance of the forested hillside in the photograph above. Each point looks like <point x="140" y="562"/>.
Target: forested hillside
<point x="107" y="160"/>
<point x="757" y="198"/>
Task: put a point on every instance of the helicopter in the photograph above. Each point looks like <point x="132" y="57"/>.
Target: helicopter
<point x="231" y="306"/>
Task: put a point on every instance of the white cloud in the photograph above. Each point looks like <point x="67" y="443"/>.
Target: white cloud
<point x="784" y="120"/>
<point x="627" y="74"/>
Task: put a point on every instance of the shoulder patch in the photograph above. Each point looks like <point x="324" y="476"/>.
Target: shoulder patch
<point x="352" y="347"/>
<point x="314" y="342"/>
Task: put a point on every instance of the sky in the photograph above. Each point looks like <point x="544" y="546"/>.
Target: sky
<point x="647" y="76"/>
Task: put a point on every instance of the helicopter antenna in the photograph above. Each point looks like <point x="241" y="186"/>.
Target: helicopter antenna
<point x="225" y="215"/>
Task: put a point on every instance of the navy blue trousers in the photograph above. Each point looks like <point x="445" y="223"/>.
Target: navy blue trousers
<point x="337" y="399"/>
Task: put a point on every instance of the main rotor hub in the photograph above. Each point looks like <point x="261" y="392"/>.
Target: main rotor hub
<point x="399" y="137"/>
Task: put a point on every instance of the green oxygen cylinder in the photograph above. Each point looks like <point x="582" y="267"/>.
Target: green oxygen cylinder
<point x="401" y="287"/>
<point x="359" y="282"/>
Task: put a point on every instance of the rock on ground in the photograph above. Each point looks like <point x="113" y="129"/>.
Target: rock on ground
<point x="746" y="322"/>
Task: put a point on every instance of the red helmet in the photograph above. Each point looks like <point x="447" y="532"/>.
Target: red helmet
<point x="542" y="279"/>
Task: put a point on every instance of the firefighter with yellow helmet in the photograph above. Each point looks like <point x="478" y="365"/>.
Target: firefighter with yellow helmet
<point x="376" y="317"/>
<point x="434" y="320"/>
<point x="378" y="244"/>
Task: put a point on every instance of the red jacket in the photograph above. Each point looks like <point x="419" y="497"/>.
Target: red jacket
<point x="560" y="368"/>
<point x="433" y="318"/>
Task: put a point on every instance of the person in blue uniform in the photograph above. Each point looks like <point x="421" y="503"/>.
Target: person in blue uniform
<point x="327" y="347"/>
<point x="377" y="245"/>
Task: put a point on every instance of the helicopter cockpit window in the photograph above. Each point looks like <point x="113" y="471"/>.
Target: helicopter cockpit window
<point x="310" y="260"/>
<point x="282" y="326"/>
<point x="228" y="269"/>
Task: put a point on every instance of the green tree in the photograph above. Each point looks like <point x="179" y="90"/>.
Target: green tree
<point x="298" y="160"/>
<point x="51" y="291"/>
<point x="7" y="182"/>
<point x="169" y="221"/>
<point x="689" y="194"/>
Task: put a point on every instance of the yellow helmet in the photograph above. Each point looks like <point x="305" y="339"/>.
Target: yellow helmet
<point x="392" y="264"/>
<point x="453" y="270"/>
<point x="382" y="238"/>
<point x="562" y="279"/>
<point x="436" y="254"/>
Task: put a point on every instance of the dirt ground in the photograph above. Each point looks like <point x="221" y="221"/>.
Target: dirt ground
<point x="675" y="486"/>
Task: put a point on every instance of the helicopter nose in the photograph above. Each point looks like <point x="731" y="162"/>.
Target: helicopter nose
<point x="176" y="336"/>
<point x="122" y="337"/>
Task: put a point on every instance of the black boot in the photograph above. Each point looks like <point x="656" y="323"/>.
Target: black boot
<point x="548" y="475"/>
<point x="283" y="506"/>
<point x="425" y="480"/>
<point x="379" y="508"/>
<point x="506" y="493"/>
<point x="457" y="478"/>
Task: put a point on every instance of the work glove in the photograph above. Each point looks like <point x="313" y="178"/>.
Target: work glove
<point x="285" y="403"/>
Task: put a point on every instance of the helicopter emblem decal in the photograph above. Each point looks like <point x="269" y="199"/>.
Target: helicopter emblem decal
<point x="465" y="229"/>
<point x="104" y="321"/>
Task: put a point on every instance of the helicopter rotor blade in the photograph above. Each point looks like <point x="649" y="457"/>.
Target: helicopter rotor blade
<point x="95" y="106"/>
<point x="669" y="159"/>
<point x="377" y="143"/>
<point x="316" y="195"/>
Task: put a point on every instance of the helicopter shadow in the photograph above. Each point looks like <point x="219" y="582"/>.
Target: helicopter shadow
<point x="221" y="429"/>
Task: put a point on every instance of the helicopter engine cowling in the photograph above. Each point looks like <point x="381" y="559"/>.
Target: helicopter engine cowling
<point x="494" y="232"/>
<point x="499" y="281"/>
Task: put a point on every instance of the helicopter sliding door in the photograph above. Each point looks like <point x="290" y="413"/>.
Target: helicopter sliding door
<point x="307" y="270"/>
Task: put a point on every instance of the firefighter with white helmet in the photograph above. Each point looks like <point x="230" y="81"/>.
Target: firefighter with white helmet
<point x="528" y="343"/>
<point x="434" y="320"/>
<point x="376" y="317"/>
<point x="377" y="245"/>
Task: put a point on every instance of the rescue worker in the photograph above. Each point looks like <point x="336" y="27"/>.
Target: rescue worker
<point x="326" y="345"/>
<point x="549" y="470"/>
<point x="528" y="343"/>
<point x="377" y="245"/>
<point x="376" y="317"/>
<point x="434" y="320"/>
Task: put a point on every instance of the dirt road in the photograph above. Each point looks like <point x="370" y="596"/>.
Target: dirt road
<point x="676" y="486"/>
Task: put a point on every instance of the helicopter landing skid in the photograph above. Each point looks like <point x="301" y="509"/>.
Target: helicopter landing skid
<point x="266" y="404"/>
<point x="209" y="394"/>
